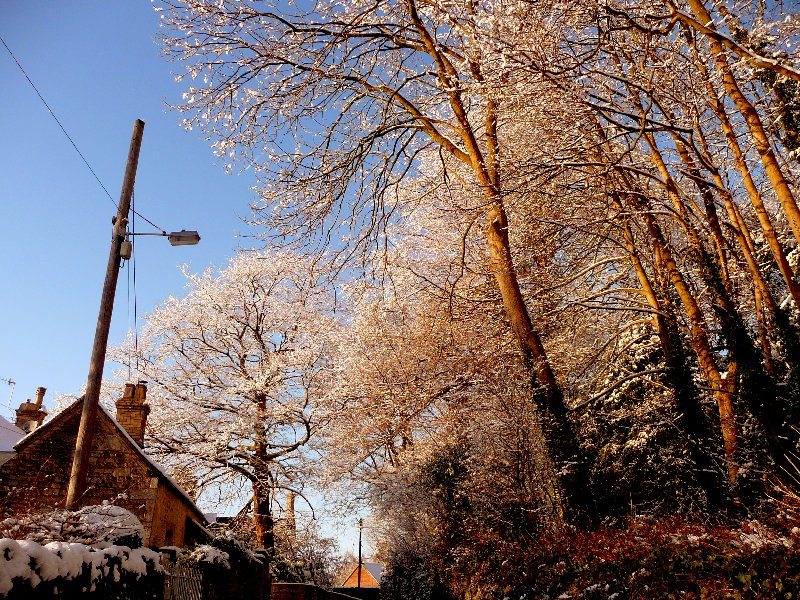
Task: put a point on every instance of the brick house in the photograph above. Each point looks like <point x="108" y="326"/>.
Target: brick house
<point x="36" y="478"/>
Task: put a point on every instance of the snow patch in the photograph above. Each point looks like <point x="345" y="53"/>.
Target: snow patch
<point x="94" y="524"/>
<point x="29" y="561"/>
<point x="210" y="554"/>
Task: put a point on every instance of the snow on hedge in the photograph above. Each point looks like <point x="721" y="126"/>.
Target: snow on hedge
<point x="91" y="524"/>
<point x="211" y="555"/>
<point x="26" y="560"/>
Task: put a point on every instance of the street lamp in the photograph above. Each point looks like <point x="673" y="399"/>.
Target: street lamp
<point x="176" y="238"/>
<point x="183" y="238"/>
<point x="120" y="248"/>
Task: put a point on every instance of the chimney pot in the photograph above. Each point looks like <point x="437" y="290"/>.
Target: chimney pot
<point x="130" y="390"/>
<point x="40" y="391"/>
<point x="141" y="392"/>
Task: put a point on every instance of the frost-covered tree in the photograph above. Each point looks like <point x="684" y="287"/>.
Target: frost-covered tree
<point x="334" y="103"/>
<point x="644" y="461"/>
<point x="235" y="369"/>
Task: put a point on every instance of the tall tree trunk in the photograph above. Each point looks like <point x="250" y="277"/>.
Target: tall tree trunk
<point x="753" y="192"/>
<point x="758" y="133"/>
<point x="571" y="467"/>
<point x="710" y="206"/>
<point x="484" y="161"/>
<point x="692" y="420"/>
<point x="560" y="436"/>
<point x="743" y="236"/>
<point x="700" y="343"/>
<point x="263" y="521"/>
<point x="746" y="376"/>
<point x="697" y="327"/>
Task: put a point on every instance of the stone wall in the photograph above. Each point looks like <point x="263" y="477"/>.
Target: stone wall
<point x="169" y="520"/>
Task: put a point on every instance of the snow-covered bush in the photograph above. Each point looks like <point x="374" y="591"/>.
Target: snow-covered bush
<point x="96" y="524"/>
<point x="209" y="554"/>
<point x="67" y="568"/>
<point x="224" y="550"/>
<point x="636" y="434"/>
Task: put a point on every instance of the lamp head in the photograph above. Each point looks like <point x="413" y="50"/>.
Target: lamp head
<point x="183" y="238"/>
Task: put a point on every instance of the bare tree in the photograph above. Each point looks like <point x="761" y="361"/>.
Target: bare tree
<point x="235" y="369"/>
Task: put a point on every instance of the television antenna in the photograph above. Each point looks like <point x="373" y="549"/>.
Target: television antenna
<point x="11" y="383"/>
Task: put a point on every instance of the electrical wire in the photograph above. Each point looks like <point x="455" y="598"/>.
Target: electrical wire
<point x="135" y="317"/>
<point x="71" y="141"/>
<point x="130" y="358"/>
<point x="132" y="271"/>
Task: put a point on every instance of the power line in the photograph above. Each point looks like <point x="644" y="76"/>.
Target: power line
<point x="71" y="141"/>
<point x="132" y="271"/>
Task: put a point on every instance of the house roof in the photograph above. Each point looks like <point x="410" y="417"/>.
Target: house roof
<point x="10" y="434"/>
<point x="375" y="570"/>
<point x="162" y="475"/>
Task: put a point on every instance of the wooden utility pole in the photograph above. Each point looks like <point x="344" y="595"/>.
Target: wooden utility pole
<point x="360" y="528"/>
<point x="83" y="444"/>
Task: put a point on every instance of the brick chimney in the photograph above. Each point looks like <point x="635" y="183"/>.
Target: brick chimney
<point x="132" y="411"/>
<point x="31" y="414"/>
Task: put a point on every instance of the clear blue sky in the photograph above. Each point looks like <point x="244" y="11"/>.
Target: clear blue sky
<point x="98" y="66"/>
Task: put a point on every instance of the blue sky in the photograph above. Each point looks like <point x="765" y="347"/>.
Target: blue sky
<point x="99" y="68"/>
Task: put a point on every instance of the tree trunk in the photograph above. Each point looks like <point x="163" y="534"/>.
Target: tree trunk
<point x="692" y="420"/>
<point x="758" y="205"/>
<point x="702" y="346"/>
<point x="562" y="441"/>
<point x="759" y="135"/>
<point x="746" y="375"/>
<point x="766" y="308"/>
<point x="263" y="521"/>
<point x="697" y="329"/>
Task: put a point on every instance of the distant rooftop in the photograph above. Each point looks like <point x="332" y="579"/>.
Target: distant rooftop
<point x="375" y="569"/>
<point x="10" y="434"/>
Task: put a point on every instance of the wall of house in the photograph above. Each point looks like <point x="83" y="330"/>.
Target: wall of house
<point x="169" y="519"/>
<point x="37" y="477"/>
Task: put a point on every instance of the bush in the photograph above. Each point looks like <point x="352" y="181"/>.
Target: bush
<point x="650" y="560"/>
<point x="96" y="524"/>
<point x="29" y="571"/>
<point x="412" y="576"/>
